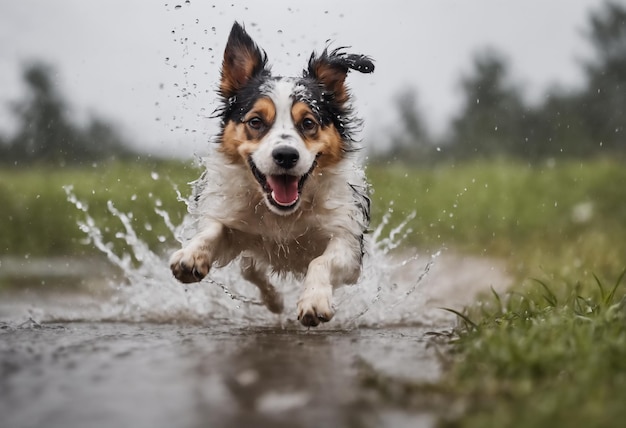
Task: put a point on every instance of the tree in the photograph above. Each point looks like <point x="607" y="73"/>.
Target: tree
<point x="46" y="134"/>
<point x="491" y="119"/>
<point x="495" y="121"/>
<point x="410" y="142"/>
<point x="604" y="98"/>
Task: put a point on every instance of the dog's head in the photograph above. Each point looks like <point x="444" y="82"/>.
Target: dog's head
<point x="283" y="128"/>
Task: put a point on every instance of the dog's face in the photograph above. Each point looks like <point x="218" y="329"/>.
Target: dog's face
<point x="282" y="128"/>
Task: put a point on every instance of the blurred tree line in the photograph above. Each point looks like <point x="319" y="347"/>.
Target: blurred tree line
<point x="495" y="120"/>
<point x="46" y="134"/>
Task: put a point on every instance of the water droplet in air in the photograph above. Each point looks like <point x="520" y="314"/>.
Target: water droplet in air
<point x="154" y="175"/>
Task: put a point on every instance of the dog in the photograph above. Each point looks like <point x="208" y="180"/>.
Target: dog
<point x="283" y="192"/>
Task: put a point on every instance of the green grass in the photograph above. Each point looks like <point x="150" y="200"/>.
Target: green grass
<point x="570" y="216"/>
<point x="548" y="356"/>
<point x="552" y="352"/>
<point x="37" y="220"/>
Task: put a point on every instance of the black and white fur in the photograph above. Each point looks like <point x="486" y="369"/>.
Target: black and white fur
<point x="283" y="192"/>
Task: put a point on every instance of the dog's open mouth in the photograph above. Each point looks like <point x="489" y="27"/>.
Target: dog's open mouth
<point x="283" y="190"/>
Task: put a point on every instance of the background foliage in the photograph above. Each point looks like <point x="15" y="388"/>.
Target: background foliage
<point x="497" y="121"/>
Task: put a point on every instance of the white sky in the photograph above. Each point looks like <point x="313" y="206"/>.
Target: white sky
<point x="151" y="67"/>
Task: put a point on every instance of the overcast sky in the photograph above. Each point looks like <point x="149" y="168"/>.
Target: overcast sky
<point x="151" y="67"/>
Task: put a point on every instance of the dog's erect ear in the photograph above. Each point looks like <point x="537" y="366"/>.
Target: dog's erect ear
<point x="242" y="61"/>
<point x="331" y="69"/>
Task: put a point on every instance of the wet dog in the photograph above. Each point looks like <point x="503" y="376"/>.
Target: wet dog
<point x="283" y="192"/>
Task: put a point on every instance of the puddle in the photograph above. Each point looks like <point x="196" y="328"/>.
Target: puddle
<point x="137" y="374"/>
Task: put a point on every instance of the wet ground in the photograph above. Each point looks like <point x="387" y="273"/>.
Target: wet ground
<point x="147" y="375"/>
<point x="78" y="358"/>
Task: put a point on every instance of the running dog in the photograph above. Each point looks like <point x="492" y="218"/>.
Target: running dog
<point x="282" y="193"/>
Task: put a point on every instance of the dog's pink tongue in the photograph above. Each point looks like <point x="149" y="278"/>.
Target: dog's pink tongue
<point x="284" y="188"/>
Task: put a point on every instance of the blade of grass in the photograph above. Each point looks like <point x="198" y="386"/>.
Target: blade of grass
<point x="549" y="296"/>
<point x="497" y="297"/>
<point x="600" y="286"/>
<point x="611" y="295"/>
<point x="463" y="317"/>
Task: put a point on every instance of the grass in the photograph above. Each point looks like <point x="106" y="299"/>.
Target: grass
<point x="569" y="216"/>
<point x="551" y="353"/>
<point x="37" y="220"/>
<point x="545" y="356"/>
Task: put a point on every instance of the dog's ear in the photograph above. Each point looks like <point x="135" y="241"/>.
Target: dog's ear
<point x="242" y="61"/>
<point x="331" y="69"/>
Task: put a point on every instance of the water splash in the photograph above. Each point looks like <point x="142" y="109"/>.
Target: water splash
<point x="388" y="292"/>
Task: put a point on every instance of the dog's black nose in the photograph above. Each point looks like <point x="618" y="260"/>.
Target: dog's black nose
<point x="285" y="156"/>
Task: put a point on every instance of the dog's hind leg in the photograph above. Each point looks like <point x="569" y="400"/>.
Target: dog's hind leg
<point x="256" y="273"/>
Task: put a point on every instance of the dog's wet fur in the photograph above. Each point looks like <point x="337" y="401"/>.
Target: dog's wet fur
<point x="283" y="192"/>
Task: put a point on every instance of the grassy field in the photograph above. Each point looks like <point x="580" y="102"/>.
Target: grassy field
<point x="560" y="219"/>
<point x="550" y="353"/>
<point x="37" y="220"/>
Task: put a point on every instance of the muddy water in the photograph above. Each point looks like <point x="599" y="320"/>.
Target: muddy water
<point x="142" y="355"/>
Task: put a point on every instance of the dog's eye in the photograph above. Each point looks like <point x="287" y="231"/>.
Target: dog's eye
<point x="308" y="125"/>
<point x="256" y="123"/>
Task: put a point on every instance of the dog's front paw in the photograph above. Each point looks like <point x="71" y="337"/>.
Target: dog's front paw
<point x="315" y="306"/>
<point x="189" y="266"/>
